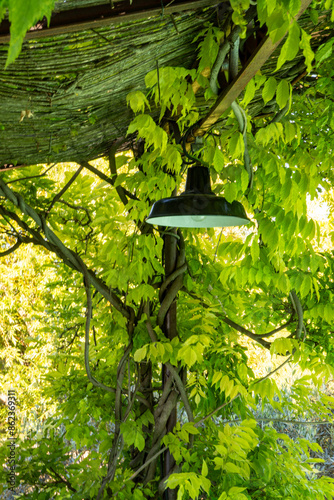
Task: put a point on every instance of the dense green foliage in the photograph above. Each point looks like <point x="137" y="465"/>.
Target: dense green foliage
<point x="92" y="330"/>
<point x="23" y="15"/>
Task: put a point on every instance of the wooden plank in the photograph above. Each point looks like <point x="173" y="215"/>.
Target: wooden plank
<point x="67" y="25"/>
<point x="232" y="92"/>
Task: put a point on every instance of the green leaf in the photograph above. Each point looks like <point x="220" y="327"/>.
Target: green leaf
<point x="141" y="123"/>
<point x="291" y="46"/>
<point x="204" y="469"/>
<point x="137" y="101"/>
<point x="289" y="131"/>
<point x="249" y="93"/>
<point x="269" y="89"/>
<point x="234" y="469"/>
<point x="324" y="51"/>
<point x="140" y="354"/>
<point x="262" y="11"/>
<point x="151" y="78"/>
<point x="216" y="377"/>
<point x="314" y="15"/>
<point x="255" y="251"/>
<point x="283" y="284"/>
<point x="230" y="192"/>
<point x="235" y="490"/>
<point x="307" y="50"/>
<point x="218" y="160"/>
<point x="23" y="14"/>
<point x="278" y="24"/>
<point x="208" y="51"/>
<point x="294" y="7"/>
<point x="236" y="145"/>
<point x="283" y="93"/>
<point x="173" y="158"/>
<point x="139" y="441"/>
<point x="306" y="286"/>
<point x="281" y="346"/>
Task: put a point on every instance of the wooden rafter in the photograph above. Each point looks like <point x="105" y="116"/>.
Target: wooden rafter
<point x="232" y="92"/>
<point x="103" y="15"/>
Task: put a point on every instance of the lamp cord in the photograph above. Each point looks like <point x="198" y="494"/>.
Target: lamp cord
<point x="186" y="153"/>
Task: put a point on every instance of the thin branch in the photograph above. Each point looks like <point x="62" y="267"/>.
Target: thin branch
<point x="118" y="441"/>
<point x="276" y="369"/>
<point x="176" y="285"/>
<point x="182" y="391"/>
<point x="254" y="336"/>
<point x="223" y="51"/>
<point x="216" y="252"/>
<point x="12" y="249"/>
<point x="105" y="178"/>
<point x="32" y="176"/>
<point x="63" y="480"/>
<point x="246" y="332"/>
<point x="200" y="422"/>
<point x="87" y="328"/>
<point x="65" y="188"/>
<point x="76" y="207"/>
<point x="238" y="395"/>
<point x="281" y="421"/>
<point x="142" y="467"/>
<point x="278" y="329"/>
<point x="299" y="311"/>
<point x="54" y="244"/>
<point x="168" y="300"/>
<point x="113" y="170"/>
<point x="280" y="114"/>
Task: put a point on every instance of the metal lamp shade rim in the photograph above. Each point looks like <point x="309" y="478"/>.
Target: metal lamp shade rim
<point x="197" y="210"/>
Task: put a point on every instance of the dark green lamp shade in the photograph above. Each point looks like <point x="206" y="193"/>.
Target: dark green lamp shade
<point x="198" y="206"/>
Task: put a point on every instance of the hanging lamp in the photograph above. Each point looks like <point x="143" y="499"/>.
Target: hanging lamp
<point x="198" y="206"/>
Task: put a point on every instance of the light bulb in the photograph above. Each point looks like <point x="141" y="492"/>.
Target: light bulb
<point x="197" y="218"/>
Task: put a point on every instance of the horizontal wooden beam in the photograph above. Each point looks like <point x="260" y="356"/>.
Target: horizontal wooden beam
<point x="232" y="92"/>
<point x="71" y="21"/>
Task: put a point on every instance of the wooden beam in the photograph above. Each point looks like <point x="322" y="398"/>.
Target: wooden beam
<point x="232" y="92"/>
<point x="96" y="17"/>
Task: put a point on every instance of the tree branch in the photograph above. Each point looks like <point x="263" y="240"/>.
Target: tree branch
<point x="182" y="391"/>
<point x="76" y="207"/>
<point x="63" y="480"/>
<point x="113" y="170"/>
<point x="65" y="188"/>
<point x="282" y="421"/>
<point x="171" y="278"/>
<point x="176" y="278"/>
<point x="299" y="311"/>
<point x="87" y="328"/>
<point x="12" y="249"/>
<point x="54" y="244"/>
<point x="278" y="329"/>
<point x="254" y="336"/>
<point x="246" y="332"/>
<point x="105" y="178"/>
<point x="32" y="176"/>
<point x="171" y="368"/>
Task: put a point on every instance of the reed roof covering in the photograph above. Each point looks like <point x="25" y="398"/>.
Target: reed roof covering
<point x="64" y="98"/>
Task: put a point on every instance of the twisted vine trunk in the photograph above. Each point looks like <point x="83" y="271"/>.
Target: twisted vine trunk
<point x="169" y="329"/>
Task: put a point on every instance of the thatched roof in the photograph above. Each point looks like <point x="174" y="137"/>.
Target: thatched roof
<point x="64" y="98"/>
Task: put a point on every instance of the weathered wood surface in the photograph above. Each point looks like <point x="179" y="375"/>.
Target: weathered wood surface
<point x="64" y="99"/>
